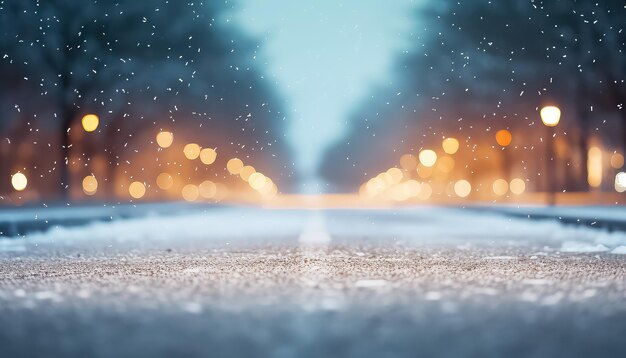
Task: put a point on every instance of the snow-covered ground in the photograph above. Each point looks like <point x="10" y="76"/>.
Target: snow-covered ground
<point x="410" y="226"/>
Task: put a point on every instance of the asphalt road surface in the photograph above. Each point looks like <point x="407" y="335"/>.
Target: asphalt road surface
<point x="236" y="282"/>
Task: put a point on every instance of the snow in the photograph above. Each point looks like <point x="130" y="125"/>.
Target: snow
<point x="408" y="226"/>
<point x="575" y="246"/>
<point x="621" y="250"/>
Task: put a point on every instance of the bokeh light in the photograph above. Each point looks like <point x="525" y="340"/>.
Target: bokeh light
<point x="462" y="188"/>
<point x="617" y="161"/>
<point x="165" y="139"/>
<point x="504" y="137"/>
<point x="620" y="182"/>
<point x="550" y="115"/>
<point x="594" y="167"/>
<point x="246" y="171"/>
<point x="208" y="156"/>
<point x="137" y="189"/>
<point x="192" y="151"/>
<point x="500" y="187"/>
<point x="19" y="181"/>
<point x="90" y="122"/>
<point x="257" y="181"/>
<point x="428" y="157"/>
<point x="207" y="189"/>
<point x="450" y="145"/>
<point x="408" y="162"/>
<point x="165" y="181"/>
<point x="234" y="166"/>
<point x="90" y="185"/>
<point x="190" y="192"/>
<point x="517" y="186"/>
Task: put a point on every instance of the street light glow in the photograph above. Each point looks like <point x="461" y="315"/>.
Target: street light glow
<point x="620" y="182"/>
<point x="234" y="166"/>
<point x="165" y="139"/>
<point x="190" y="192"/>
<point x="462" y="188"/>
<point x="90" y="185"/>
<point x="19" y="181"/>
<point x="450" y="145"/>
<point x="500" y="187"/>
<point x="165" y="181"/>
<point x="90" y="122"/>
<point x="428" y="157"/>
<point x="137" y="190"/>
<point x="594" y="167"/>
<point x="550" y="116"/>
<point x="191" y="151"/>
<point x="504" y="137"/>
<point x="518" y="186"/>
<point x="208" y="156"/>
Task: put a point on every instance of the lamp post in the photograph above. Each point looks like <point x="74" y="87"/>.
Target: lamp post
<point x="550" y="116"/>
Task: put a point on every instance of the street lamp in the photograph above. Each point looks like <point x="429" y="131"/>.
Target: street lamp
<point x="550" y="116"/>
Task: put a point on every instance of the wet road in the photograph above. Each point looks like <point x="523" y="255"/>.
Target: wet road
<point x="354" y="283"/>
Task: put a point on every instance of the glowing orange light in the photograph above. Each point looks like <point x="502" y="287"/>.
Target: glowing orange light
<point x="137" y="189"/>
<point x="450" y="145"/>
<point x="165" y="139"/>
<point x="90" y="122"/>
<point x="191" y="151"/>
<point x="208" y="156"/>
<point x="234" y="166"/>
<point x="190" y="192"/>
<point x="428" y="157"/>
<point x="90" y="185"/>
<point x="165" y="181"/>
<point x="504" y="137"/>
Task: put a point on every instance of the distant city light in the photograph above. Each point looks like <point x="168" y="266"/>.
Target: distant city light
<point x="191" y="151"/>
<point x="450" y="145"/>
<point x="165" y="139"/>
<point x="462" y="188"/>
<point x="207" y="189"/>
<point x="424" y="172"/>
<point x="594" y="167"/>
<point x="617" y="161"/>
<point x="234" y="166"/>
<point x="408" y="162"/>
<point x="165" y="181"/>
<point x="550" y="116"/>
<point x="620" y="182"/>
<point x="428" y="157"/>
<point x="208" y="156"/>
<point x="246" y="171"/>
<point x="190" y="192"/>
<point x="425" y="191"/>
<point x="445" y="164"/>
<point x="500" y="187"/>
<point x="90" y="122"/>
<point x="395" y="174"/>
<point x="504" y="137"/>
<point x="517" y="186"/>
<point x="257" y="181"/>
<point x="90" y="185"/>
<point x="19" y="181"/>
<point x="137" y="189"/>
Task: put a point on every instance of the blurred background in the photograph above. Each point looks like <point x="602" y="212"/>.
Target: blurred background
<point x="361" y="103"/>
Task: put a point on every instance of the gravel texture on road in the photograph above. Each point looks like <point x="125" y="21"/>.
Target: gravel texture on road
<point x="313" y="290"/>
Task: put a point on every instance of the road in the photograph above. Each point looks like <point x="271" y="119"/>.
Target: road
<point x="245" y="282"/>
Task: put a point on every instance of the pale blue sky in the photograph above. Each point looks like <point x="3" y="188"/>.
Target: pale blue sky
<point x="324" y="57"/>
